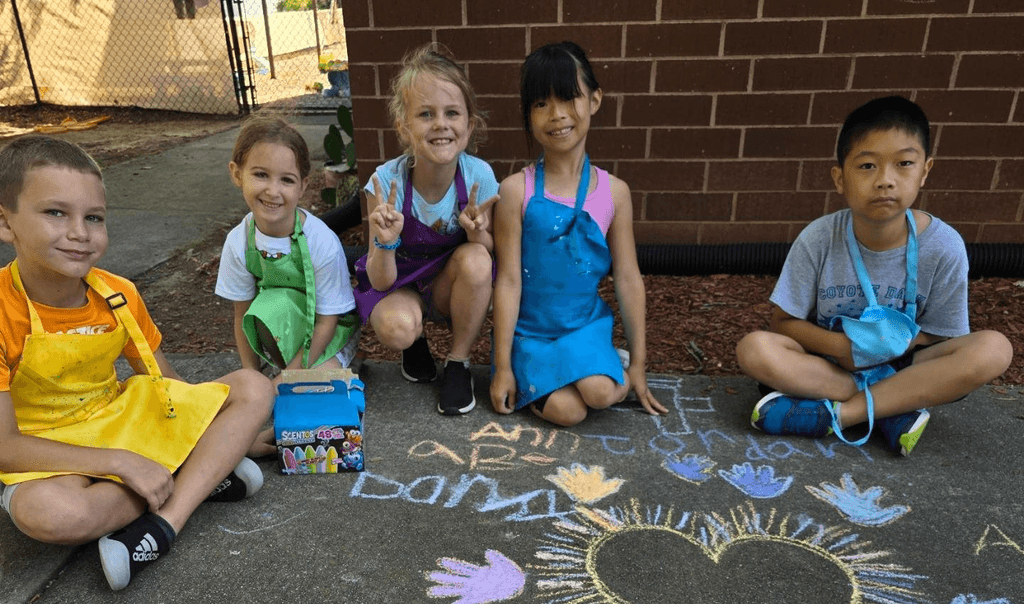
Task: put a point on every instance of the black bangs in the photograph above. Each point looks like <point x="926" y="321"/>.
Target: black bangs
<point x="549" y="71"/>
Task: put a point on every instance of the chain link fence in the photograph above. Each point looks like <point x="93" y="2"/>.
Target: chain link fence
<point x="200" y="56"/>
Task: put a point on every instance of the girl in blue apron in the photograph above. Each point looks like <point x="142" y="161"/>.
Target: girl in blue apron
<point x="430" y="251"/>
<point x="561" y="226"/>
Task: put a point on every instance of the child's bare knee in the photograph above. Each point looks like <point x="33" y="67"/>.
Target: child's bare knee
<point x="753" y="352"/>
<point x="564" y="413"/>
<point x="473" y="263"/>
<point x="398" y="330"/>
<point x="992" y="354"/>
<point x="61" y="520"/>
<point x="601" y="392"/>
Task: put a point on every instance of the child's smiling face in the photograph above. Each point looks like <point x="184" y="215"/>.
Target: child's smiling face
<point x="271" y="185"/>
<point x="437" y="125"/>
<point x="59" y="229"/>
<point x="561" y="125"/>
<point x="882" y="174"/>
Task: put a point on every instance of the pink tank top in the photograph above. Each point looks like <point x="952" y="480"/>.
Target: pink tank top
<point x="599" y="203"/>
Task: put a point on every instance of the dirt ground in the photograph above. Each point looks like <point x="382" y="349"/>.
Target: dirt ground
<point x="693" y="322"/>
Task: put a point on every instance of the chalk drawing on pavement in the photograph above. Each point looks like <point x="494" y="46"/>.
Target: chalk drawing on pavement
<point x="691" y="467"/>
<point x="585" y="485"/>
<point x="759" y="483"/>
<point x="567" y="567"/>
<point x="497" y="580"/>
<point x="859" y="507"/>
<point x="973" y="599"/>
<point x="995" y="537"/>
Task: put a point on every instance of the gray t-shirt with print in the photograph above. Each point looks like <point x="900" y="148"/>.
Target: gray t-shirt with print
<point x="818" y="280"/>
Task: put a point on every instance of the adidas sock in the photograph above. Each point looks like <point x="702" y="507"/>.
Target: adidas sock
<point x="242" y="482"/>
<point x="125" y="552"/>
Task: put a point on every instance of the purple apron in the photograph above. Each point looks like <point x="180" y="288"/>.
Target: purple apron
<point x="421" y="257"/>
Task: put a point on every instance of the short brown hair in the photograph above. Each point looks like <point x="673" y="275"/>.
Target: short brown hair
<point x="38" y="151"/>
<point x="271" y="129"/>
<point x="434" y="60"/>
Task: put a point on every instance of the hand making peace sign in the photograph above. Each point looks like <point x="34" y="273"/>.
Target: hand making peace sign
<point x="477" y="218"/>
<point x="385" y="221"/>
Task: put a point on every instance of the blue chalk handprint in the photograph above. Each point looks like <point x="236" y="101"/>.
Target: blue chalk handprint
<point x="859" y="507"/>
<point x="691" y="468"/>
<point x="499" y="579"/>
<point x="973" y="599"/>
<point x="760" y="483"/>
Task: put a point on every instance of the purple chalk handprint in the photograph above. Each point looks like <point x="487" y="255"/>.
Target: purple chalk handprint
<point x="859" y="507"/>
<point x="759" y="484"/>
<point x="499" y="579"/>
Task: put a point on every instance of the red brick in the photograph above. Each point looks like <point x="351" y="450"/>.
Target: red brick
<point x="415" y="13"/>
<point x="711" y="75"/>
<point x="502" y="168"/>
<point x="386" y="72"/>
<point x="809" y="142"/>
<point x="363" y="79"/>
<point x="623" y="76"/>
<point x="607" y="115"/>
<point x="1018" y="115"/>
<point x="875" y="35"/>
<point x="976" y="33"/>
<point x="606" y="11"/>
<point x="833" y="107"/>
<point x="835" y="202"/>
<point x="779" y="205"/>
<point x="611" y="144"/>
<point x="672" y="39"/>
<point x="933" y="7"/>
<point x="817" y="73"/>
<point x="665" y="110"/>
<point x="817" y="175"/>
<point x="996" y="6"/>
<point x="599" y="41"/>
<point x="677" y="10"/>
<point x="368" y="149"/>
<point x="966" y="105"/>
<point x="485" y="44"/>
<point x="678" y="143"/>
<point x="356" y="14"/>
<point x="961" y="175"/>
<point x="1002" y="233"/>
<point x="382" y="46"/>
<point x="392" y="146"/>
<point x="371" y="113"/>
<point x="744" y="232"/>
<point x="902" y="71"/>
<point x="1011" y="174"/>
<point x="981" y="141"/>
<point x="494" y="78"/>
<point x="968" y="231"/>
<point x="688" y="206"/>
<point x="811" y="8"/>
<point x="990" y="71"/>
<point x="752" y="175"/>
<point x="508" y="144"/>
<point x="973" y="206"/>
<point x="487" y="12"/>
<point x="502" y="112"/>
<point x="666" y="233"/>
<point x="761" y="109"/>
<point x="772" y="37"/>
<point x="649" y="175"/>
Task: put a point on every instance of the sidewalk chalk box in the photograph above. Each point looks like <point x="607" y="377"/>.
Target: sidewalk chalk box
<point x="319" y="427"/>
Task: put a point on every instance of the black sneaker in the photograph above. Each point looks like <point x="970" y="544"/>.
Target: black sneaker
<point x="456" y="389"/>
<point x="418" y="364"/>
<point x="127" y="551"/>
<point x="242" y="482"/>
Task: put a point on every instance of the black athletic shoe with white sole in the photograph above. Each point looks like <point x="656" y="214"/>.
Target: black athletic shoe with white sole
<point x="125" y="552"/>
<point x="242" y="482"/>
<point x="418" y="364"/>
<point x="456" y="389"/>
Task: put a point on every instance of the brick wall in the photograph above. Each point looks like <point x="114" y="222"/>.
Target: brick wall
<point x="722" y="115"/>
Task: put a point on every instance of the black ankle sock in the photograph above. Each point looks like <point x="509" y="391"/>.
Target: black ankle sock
<point x="127" y="551"/>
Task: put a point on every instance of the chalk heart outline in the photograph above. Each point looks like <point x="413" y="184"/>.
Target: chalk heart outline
<point x="713" y="554"/>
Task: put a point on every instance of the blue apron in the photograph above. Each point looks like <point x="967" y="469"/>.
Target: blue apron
<point x="880" y="334"/>
<point x="564" y="331"/>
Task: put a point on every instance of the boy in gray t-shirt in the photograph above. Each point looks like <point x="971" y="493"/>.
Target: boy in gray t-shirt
<point x="823" y="372"/>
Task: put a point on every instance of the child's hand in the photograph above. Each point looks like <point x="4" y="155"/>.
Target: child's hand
<point x="147" y="478"/>
<point x="638" y="379"/>
<point x="477" y="218"/>
<point x="503" y="391"/>
<point x="385" y="221"/>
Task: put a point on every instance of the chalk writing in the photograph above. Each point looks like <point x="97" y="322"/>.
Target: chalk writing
<point x="759" y="484"/>
<point x="691" y="468"/>
<point x="585" y="485"/>
<point x="859" y="507"/>
<point x="566" y="570"/>
<point x="497" y="580"/>
<point x="498" y="456"/>
<point x="997" y="538"/>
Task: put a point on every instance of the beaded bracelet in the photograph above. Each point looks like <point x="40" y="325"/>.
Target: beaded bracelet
<point x="390" y="246"/>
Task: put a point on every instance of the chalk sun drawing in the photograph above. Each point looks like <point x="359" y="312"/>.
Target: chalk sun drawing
<point x="566" y="570"/>
<point x="585" y="485"/>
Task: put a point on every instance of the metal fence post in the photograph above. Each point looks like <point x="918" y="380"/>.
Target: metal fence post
<point x="24" y="48"/>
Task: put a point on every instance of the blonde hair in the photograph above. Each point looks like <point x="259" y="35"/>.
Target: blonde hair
<point x="435" y="60"/>
<point x="271" y="129"/>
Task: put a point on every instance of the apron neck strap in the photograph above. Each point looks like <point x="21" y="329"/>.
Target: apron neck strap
<point x="37" y="323"/>
<point x="461" y="196"/>
<point x="910" y="287"/>
<point x="581" y="189"/>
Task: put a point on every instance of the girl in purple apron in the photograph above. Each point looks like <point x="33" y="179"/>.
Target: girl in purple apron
<point x="552" y="331"/>
<point x="430" y="258"/>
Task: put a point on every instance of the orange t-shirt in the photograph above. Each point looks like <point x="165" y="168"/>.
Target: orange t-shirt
<point x="94" y="317"/>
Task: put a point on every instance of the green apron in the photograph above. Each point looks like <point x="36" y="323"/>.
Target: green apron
<point x="285" y="302"/>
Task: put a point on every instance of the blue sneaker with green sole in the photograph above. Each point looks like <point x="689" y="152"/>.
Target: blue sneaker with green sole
<point x="901" y="432"/>
<point x="781" y="414"/>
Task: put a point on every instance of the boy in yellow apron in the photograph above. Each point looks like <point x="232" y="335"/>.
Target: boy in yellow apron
<point x="82" y="455"/>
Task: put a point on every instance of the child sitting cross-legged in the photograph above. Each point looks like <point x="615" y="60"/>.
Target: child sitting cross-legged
<point x="870" y="319"/>
<point x="82" y="455"/>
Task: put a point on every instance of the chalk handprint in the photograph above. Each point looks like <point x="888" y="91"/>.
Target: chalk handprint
<point x="691" y="468"/>
<point x="499" y="579"/>
<point x="759" y="484"/>
<point x="973" y="599"/>
<point x="859" y="507"/>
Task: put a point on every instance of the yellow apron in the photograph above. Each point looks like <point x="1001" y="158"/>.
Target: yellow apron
<point x="66" y="389"/>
